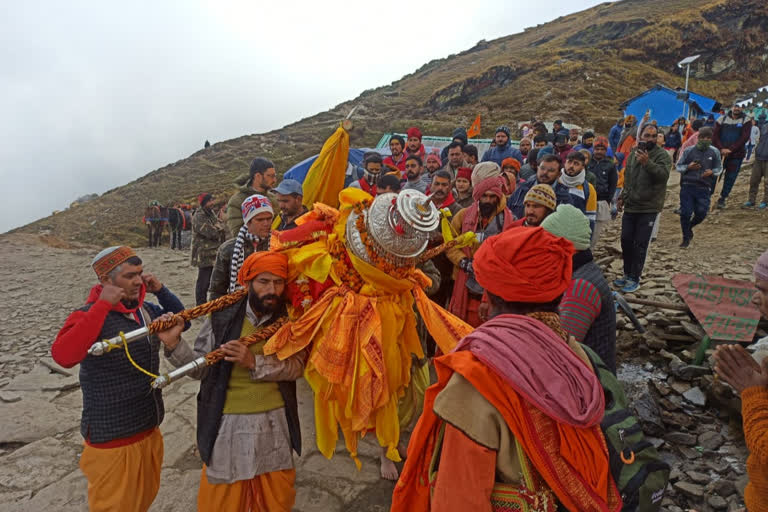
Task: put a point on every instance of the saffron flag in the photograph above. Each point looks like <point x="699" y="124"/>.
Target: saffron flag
<point x="474" y="130"/>
<point x="325" y="179"/>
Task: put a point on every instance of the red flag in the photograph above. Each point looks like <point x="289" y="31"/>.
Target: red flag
<point x="474" y="130"/>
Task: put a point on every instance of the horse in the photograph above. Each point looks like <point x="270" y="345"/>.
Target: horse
<point x="155" y="218"/>
<point x="178" y="220"/>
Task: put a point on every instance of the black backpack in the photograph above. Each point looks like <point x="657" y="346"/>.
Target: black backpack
<point x="639" y="472"/>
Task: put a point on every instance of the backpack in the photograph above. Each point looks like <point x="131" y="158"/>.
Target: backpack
<point x="639" y="472"/>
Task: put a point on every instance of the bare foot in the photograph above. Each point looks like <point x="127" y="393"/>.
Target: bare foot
<point x="388" y="469"/>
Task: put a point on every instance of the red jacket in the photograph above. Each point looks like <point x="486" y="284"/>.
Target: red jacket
<point x="389" y="161"/>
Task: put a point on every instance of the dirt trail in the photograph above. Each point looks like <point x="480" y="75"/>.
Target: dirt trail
<point x="44" y="278"/>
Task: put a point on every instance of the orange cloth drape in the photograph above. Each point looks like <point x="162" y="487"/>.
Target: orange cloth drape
<point x="466" y="476"/>
<point x="125" y="478"/>
<point x="362" y="342"/>
<point x="268" y="492"/>
<point x="572" y="461"/>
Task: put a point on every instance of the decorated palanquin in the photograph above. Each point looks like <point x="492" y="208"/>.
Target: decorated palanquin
<point x="352" y="285"/>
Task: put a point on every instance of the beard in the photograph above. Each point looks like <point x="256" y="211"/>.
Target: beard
<point x="261" y="306"/>
<point x="130" y="303"/>
<point x="487" y="209"/>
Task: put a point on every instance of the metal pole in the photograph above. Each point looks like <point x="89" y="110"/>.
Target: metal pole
<point x="687" y="73"/>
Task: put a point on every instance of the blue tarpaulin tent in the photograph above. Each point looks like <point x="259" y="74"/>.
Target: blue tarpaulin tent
<point x="666" y="105"/>
<point x="299" y="171"/>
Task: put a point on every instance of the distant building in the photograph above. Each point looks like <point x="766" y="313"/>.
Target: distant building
<point x="666" y="105"/>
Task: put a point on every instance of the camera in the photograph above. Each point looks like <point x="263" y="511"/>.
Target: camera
<point x="645" y="146"/>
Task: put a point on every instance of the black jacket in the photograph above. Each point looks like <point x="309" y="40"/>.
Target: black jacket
<point x="606" y="177"/>
<point x="227" y="325"/>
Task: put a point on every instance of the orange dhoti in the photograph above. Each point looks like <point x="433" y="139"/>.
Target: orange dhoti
<point x="125" y="478"/>
<point x="268" y="492"/>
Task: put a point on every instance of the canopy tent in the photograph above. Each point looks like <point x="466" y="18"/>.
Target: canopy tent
<point x="299" y="171"/>
<point x="666" y="104"/>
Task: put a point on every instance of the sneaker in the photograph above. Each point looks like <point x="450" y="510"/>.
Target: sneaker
<point x="686" y="242"/>
<point x="720" y="203"/>
<point x="748" y="204"/>
<point x="620" y="282"/>
<point x="631" y="286"/>
<point x="763" y="205"/>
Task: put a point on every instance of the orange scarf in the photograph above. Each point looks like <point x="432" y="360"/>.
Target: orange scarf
<point x="572" y="461"/>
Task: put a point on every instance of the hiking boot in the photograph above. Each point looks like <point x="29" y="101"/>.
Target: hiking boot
<point x="620" y="282"/>
<point x="685" y="243"/>
<point x="748" y="204"/>
<point x="762" y="206"/>
<point x="631" y="286"/>
<point x="720" y="203"/>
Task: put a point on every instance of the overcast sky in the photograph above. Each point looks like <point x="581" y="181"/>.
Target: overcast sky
<point x="94" y="94"/>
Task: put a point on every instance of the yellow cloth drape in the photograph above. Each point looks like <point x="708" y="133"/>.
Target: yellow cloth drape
<point x="359" y="365"/>
<point x="325" y="178"/>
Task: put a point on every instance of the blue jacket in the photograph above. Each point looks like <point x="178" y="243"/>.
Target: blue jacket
<point x="614" y="136"/>
<point x="674" y="139"/>
<point x="499" y="153"/>
<point x="516" y="203"/>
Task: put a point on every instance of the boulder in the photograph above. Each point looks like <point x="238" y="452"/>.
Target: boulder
<point x="695" y="396"/>
<point x="689" y="489"/>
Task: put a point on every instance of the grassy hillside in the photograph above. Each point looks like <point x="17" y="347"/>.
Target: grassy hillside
<point x="578" y="67"/>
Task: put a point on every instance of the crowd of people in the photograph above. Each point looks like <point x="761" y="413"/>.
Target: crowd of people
<point x="541" y="308"/>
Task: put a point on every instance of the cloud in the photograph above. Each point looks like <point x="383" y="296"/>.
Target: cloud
<point x="98" y="93"/>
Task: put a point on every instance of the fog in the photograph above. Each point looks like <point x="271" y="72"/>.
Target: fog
<point x="96" y="94"/>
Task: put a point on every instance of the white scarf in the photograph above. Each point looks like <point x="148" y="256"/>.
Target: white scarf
<point x="238" y="256"/>
<point x="573" y="181"/>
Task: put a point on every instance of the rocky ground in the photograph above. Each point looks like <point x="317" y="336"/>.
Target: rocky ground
<point x="688" y="416"/>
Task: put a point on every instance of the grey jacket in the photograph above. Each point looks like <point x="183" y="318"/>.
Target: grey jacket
<point x="761" y="151"/>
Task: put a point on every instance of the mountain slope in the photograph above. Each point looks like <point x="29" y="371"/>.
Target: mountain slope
<point x="578" y="67"/>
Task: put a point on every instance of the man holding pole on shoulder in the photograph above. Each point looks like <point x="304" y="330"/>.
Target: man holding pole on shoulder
<point x="247" y="411"/>
<point x="123" y="450"/>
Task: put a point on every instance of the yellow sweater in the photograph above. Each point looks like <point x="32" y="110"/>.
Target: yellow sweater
<point x="245" y="396"/>
<point x="754" y="409"/>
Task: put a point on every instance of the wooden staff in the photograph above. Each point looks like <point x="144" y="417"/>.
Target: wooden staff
<point x="216" y="355"/>
<point x="104" y="346"/>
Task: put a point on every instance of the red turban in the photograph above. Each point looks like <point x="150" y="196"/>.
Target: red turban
<point x="413" y="132"/>
<point x="524" y="265"/>
<point x="263" y="261"/>
<point x="434" y="156"/>
<point x="493" y="184"/>
<point x="511" y="162"/>
<point x="465" y="172"/>
<point x="601" y="141"/>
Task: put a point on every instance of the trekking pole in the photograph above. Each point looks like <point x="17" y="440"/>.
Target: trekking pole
<point x="718" y="182"/>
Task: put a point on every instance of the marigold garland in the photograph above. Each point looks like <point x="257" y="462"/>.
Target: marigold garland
<point x="343" y="267"/>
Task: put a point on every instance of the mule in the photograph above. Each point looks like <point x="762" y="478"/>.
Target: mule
<point x="178" y="220"/>
<point x="155" y="218"/>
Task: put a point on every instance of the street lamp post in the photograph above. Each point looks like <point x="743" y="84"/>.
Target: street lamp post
<point x="687" y="63"/>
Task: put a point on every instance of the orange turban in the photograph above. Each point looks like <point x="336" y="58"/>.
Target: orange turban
<point x="511" y="162"/>
<point x="263" y="261"/>
<point x="524" y="265"/>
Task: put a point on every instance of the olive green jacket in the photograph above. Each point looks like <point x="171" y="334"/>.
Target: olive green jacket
<point x="207" y="234"/>
<point x="235" y="203"/>
<point x="645" y="186"/>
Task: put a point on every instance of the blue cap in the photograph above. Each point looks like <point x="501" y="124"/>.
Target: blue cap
<point x="288" y="187"/>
